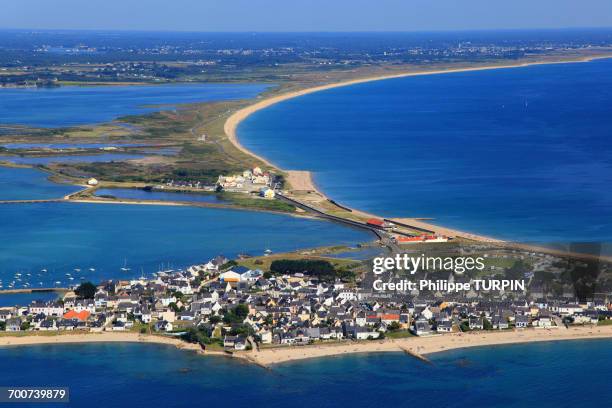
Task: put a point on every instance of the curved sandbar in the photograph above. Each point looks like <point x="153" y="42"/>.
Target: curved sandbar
<point x="302" y="180"/>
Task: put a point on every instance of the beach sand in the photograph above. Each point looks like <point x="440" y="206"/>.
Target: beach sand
<point x="102" y="337"/>
<point x="421" y="346"/>
<point x="268" y="356"/>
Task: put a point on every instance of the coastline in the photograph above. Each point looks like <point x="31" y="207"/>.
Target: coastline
<point x="103" y="337"/>
<point x="301" y="180"/>
<point x="418" y="347"/>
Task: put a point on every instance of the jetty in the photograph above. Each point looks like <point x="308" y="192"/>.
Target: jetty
<point x="32" y="290"/>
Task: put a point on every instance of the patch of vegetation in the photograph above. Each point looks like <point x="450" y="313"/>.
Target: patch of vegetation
<point x="322" y="269"/>
<point x="86" y="290"/>
<point x="399" y="334"/>
<point x="236" y="315"/>
<point x="257" y="203"/>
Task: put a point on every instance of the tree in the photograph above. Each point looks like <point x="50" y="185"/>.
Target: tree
<point x="236" y="315"/>
<point x="394" y="326"/>
<point x="175" y="307"/>
<point x="322" y="269"/>
<point x="86" y="290"/>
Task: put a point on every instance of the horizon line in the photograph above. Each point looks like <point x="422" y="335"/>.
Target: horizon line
<point x="175" y="31"/>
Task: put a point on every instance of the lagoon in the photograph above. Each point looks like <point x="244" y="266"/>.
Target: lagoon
<point x="519" y="154"/>
<point x="30" y="184"/>
<point x="73" y="158"/>
<point x="84" y="105"/>
<point x="139" y="194"/>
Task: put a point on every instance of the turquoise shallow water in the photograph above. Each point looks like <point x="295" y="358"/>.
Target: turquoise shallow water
<point x="61" y="237"/>
<point x="521" y="154"/>
<point x="136" y="375"/>
<point x="70" y="106"/>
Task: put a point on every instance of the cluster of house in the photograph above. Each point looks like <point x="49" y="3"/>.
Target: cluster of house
<point x="285" y="310"/>
<point x="255" y="179"/>
<point x="185" y="184"/>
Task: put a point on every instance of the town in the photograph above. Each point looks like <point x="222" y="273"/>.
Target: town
<point x="226" y="306"/>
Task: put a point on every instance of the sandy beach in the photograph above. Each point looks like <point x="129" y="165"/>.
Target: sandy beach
<point x="266" y="357"/>
<point x="423" y="346"/>
<point x="103" y="337"/>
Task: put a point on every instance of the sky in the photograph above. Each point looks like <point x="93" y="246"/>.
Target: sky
<point x="303" y="15"/>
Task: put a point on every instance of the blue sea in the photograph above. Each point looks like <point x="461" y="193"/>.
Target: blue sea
<point x="73" y="105"/>
<point x="520" y="154"/>
<point x="62" y="237"/>
<point x="542" y="375"/>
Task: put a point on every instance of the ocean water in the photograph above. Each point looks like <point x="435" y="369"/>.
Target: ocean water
<point x="62" y="237"/>
<point x="30" y="184"/>
<point x="138" y="194"/>
<point x="72" y="105"/>
<point x="520" y="154"/>
<point x="138" y="375"/>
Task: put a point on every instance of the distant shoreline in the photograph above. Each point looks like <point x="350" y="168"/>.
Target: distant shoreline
<point x="304" y="178"/>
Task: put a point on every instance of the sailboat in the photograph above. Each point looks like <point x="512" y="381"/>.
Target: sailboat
<point x="125" y="268"/>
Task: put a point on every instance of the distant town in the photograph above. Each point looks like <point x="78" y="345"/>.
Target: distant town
<point x="48" y="58"/>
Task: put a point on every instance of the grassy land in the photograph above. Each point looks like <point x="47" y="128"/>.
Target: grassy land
<point x="263" y="262"/>
<point x="243" y="200"/>
<point x="400" y="334"/>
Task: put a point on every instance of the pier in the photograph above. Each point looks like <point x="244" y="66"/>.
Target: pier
<point x="50" y="200"/>
<point x="32" y="290"/>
